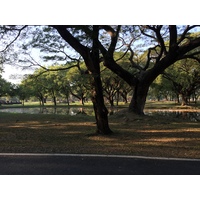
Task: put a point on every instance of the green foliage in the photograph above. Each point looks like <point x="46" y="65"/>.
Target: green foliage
<point x="58" y="81"/>
<point x="181" y="78"/>
<point x="160" y="89"/>
<point x="6" y="88"/>
<point x="186" y="73"/>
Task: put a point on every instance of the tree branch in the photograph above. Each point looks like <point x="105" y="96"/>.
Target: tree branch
<point x="132" y="62"/>
<point x="191" y="56"/>
<point x="185" y="48"/>
<point x="114" y="38"/>
<point x="20" y="30"/>
<point x="173" y="37"/>
<point x="142" y="29"/>
<point x="72" y="41"/>
<point x="187" y="29"/>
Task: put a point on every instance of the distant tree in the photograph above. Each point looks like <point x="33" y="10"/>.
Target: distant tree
<point x="113" y="85"/>
<point x="24" y="91"/>
<point x="37" y="85"/>
<point x="79" y="80"/>
<point x="51" y="84"/>
<point x="161" y="88"/>
<point x="185" y="77"/>
<point x="64" y="85"/>
<point x="5" y="87"/>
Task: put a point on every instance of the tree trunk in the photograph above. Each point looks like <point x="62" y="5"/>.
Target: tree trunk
<point x="124" y="96"/>
<point x="54" y="100"/>
<point x="177" y="96"/>
<point x="67" y="97"/>
<point x="82" y="99"/>
<point x="41" y="100"/>
<point x="117" y="98"/>
<point x="92" y="63"/>
<point x="138" y="100"/>
<point x="111" y="101"/>
<point x="184" y="100"/>
<point x="101" y="112"/>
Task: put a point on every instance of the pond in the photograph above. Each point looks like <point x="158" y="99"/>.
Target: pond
<point x="50" y="110"/>
<point x="184" y="114"/>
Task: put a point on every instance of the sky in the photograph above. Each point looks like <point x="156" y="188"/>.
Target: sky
<point x="9" y="71"/>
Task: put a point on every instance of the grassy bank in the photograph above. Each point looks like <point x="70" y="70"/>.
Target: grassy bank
<point x="133" y="135"/>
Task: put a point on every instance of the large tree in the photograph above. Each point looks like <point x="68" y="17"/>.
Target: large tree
<point x="91" y="58"/>
<point x="168" y="44"/>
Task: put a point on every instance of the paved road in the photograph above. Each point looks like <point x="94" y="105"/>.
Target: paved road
<point x="48" y="164"/>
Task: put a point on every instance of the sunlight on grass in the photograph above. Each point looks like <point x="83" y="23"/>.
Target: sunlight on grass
<point x="167" y="140"/>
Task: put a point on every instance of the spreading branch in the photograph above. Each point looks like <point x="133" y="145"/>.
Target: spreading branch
<point x="183" y="35"/>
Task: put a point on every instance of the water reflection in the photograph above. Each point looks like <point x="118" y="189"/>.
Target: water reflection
<point x="193" y="116"/>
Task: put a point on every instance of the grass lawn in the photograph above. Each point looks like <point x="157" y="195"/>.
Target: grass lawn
<point x="133" y="135"/>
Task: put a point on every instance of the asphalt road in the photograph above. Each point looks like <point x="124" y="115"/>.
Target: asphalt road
<point x="57" y="164"/>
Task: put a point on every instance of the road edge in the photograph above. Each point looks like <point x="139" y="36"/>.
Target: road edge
<point x="97" y="155"/>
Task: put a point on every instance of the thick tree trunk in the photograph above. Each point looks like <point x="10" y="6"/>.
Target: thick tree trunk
<point x="92" y="63"/>
<point x="101" y="112"/>
<point x="184" y="100"/>
<point x="138" y="100"/>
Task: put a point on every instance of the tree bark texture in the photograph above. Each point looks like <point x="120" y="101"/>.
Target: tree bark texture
<point x="101" y="112"/>
<point x="138" y="100"/>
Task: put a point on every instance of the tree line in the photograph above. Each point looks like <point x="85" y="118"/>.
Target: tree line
<point x="179" y="83"/>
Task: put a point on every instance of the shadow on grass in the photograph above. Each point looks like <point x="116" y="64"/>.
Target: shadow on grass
<point x="133" y="135"/>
